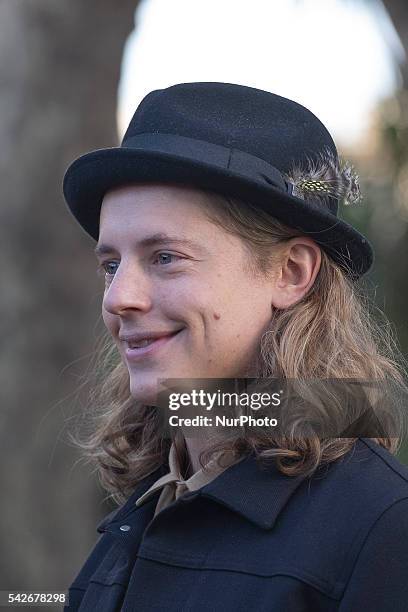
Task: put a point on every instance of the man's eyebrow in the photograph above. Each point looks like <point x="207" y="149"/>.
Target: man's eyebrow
<point x="153" y="240"/>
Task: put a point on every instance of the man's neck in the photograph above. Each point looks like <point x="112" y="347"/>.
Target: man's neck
<point x="195" y="446"/>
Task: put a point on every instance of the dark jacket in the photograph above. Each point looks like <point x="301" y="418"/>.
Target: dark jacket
<point x="255" y="540"/>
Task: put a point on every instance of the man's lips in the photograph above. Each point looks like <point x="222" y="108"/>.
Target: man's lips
<point x="138" y="336"/>
<point x="134" y="354"/>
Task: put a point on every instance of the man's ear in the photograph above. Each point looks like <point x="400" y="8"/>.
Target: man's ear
<point x="296" y="272"/>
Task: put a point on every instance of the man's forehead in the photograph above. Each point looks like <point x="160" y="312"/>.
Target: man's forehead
<point x="142" y="223"/>
<point x="155" y="202"/>
<point x="162" y="191"/>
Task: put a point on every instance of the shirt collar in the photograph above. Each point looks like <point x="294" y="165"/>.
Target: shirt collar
<point x="199" y="479"/>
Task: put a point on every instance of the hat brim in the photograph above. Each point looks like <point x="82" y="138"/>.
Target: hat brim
<point x="92" y="175"/>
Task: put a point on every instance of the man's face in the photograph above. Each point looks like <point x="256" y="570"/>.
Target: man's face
<point x="172" y="271"/>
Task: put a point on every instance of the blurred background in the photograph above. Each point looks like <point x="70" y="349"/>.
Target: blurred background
<point x="72" y="73"/>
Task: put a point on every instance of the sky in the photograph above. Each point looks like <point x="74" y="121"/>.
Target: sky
<point x="336" y="57"/>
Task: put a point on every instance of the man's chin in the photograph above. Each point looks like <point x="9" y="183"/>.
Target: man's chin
<point x="145" y="394"/>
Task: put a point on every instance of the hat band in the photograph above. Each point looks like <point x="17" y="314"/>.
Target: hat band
<point x="201" y="151"/>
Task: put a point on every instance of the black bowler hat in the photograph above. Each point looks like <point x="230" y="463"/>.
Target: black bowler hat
<point x="237" y="141"/>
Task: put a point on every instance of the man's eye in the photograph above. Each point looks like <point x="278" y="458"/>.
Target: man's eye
<point x="104" y="268"/>
<point x="166" y="258"/>
<point x="107" y="268"/>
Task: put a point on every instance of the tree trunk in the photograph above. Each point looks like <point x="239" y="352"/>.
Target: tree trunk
<point x="398" y="12"/>
<point x="59" y="65"/>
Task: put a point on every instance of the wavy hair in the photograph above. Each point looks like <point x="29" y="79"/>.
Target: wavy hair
<point x="334" y="332"/>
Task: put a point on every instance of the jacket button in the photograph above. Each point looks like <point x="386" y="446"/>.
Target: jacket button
<point x="124" y="527"/>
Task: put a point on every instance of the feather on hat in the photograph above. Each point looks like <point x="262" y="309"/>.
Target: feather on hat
<point x="325" y="177"/>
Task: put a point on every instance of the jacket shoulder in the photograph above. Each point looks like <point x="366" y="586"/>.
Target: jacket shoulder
<point x="364" y="482"/>
<point x="377" y="580"/>
<point x="332" y="514"/>
<point x="374" y="475"/>
<point x="385" y="460"/>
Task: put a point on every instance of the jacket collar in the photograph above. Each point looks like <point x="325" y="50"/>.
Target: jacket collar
<point x="257" y="493"/>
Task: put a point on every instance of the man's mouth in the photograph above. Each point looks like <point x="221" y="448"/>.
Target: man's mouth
<point x="136" y="349"/>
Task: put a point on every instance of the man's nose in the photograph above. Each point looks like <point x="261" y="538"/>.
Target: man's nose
<point x="129" y="287"/>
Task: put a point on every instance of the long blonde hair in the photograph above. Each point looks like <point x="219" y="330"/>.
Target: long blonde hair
<point x="334" y="332"/>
